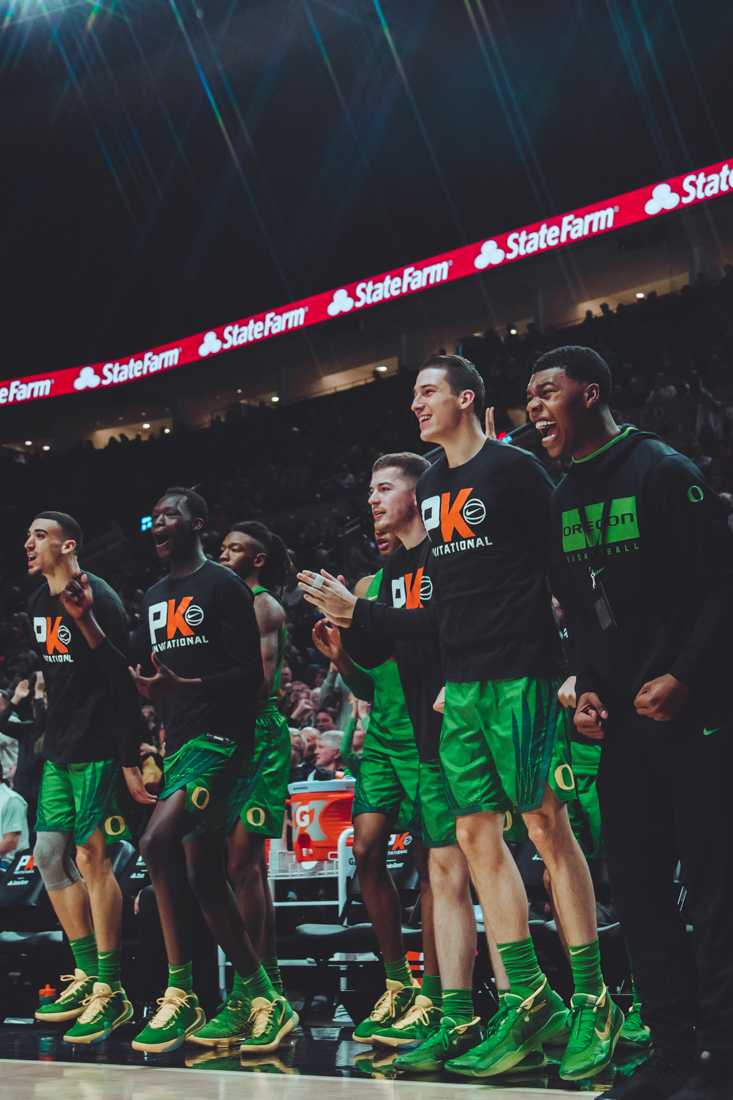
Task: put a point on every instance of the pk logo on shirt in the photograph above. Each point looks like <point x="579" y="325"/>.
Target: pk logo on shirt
<point x="175" y="620"/>
<point x="52" y="633"/>
<point x="455" y="516"/>
<point x="412" y="590"/>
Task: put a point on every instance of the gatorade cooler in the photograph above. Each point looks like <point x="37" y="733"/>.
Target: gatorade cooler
<point x="321" y="812"/>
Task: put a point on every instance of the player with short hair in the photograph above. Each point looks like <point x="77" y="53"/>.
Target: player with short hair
<point x="206" y="684"/>
<point x="644" y="570"/>
<point x="503" y="744"/>
<point x="257" y="800"/>
<point x="93" y="729"/>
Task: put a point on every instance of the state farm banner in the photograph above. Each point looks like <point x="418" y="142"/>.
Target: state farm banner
<point x="583" y="224"/>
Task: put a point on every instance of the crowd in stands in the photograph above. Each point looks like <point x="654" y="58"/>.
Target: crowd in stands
<point x="303" y="470"/>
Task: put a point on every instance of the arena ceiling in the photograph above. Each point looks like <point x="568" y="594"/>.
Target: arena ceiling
<point x="170" y="164"/>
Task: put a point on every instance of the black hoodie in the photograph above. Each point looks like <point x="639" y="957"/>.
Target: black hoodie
<point x="666" y="569"/>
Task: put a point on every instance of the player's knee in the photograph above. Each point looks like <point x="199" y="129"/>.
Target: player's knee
<point x="53" y="860"/>
<point x="544" y="830"/>
<point x="92" y="860"/>
<point x="369" y="855"/>
<point x="153" y="848"/>
<point x="243" y="869"/>
<point x="472" y="833"/>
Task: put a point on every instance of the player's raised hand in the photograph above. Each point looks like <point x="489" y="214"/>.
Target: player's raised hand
<point x="327" y="640"/>
<point x="77" y="598"/>
<point x="328" y="594"/>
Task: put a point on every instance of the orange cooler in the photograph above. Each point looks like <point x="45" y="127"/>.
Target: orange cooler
<point x="320" y="813"/>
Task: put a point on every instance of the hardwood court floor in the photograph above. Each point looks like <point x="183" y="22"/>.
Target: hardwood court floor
<point x="59" y="1081"/>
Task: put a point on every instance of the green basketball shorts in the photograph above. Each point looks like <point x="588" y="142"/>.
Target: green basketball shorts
<point x="502" y="743"/>
<point x="258" y="797"/>
<point x="81" y="798"/>
<point x="388" y="781"/>
<point x="206" y="768"/>
<point x="435" y="813"/>
<point x="585" y="814"/>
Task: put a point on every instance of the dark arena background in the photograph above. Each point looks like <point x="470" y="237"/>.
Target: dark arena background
<point x="236" y="234"/>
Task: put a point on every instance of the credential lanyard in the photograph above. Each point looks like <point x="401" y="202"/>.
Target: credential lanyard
<point x="596" y="547"/>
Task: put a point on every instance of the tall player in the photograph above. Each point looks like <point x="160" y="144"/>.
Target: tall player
<point x="201" y="628"/>
<point x="258" y="798"/>
<point x="93" y="727"/>
<point x="503" y="743"/>
<point x="644" y="569"/>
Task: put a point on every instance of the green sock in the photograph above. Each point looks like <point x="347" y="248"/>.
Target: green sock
<point x="432" y="988"/>
<point x="585" y="963"/>
<point x="240" y="990"/>
<point x="258" y="985"/>
<point x="273" y="973"/>
<point x="84" y="951"/>
<point x="522" y="967"/>
<point x="398" y="972"/>
<point x="109" y="969"/>
<point x="458" y="1005"/>
<point x="181" y="977"/>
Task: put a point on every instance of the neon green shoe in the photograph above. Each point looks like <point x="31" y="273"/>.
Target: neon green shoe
<point x="376" y="1064"/>
<point x="104" y="1011"/>
<point x="634" y="1033"/>
<point x="417" y="1024"/>
<point x="448" y="1041"/>
<point x="70" y="1002"/>
<point x="394" y="1003"/>
<point x="175" y="1021"/>
<point x="269" y="1023"/>
<point x="230" y="1025"/>
<point x="515" y="1034"/>
<point x="596" y="1027"/>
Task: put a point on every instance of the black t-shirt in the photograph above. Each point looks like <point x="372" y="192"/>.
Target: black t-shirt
<point x="204" y="626"/>
<point x="487" y="521"/>
<point x="93" y="711"/>
<point x="407" y="583"/>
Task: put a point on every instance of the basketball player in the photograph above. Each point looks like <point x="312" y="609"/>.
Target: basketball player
<point x="201" y="628"/>
<point x="503" y="743"/>
<point x="258" y="798"/>
<point x="644" y="571"/>
<point x="93" y="727"/>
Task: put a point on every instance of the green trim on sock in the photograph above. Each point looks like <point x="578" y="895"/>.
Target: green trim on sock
<point x="272" y="968"/>
<point x="398" y="972"/>
<point x="109" y="968"/>
<point x="585" y="963"/>
<point x="259" y="985"/>
<point x="181" y="977"/>
<point x="522" y="966"/>
<point x="84" y="951"/>
<point x="458" y="1005"/>
<point x="432" y="988"/>
<point x="239" y="988"/>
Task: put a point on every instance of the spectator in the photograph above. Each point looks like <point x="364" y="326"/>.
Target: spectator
<point x="324" y="721"/>
<point x="13" y="823"/>
<point x="327" y="758"/>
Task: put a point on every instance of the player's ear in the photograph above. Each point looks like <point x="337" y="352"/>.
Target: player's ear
<point x="260" y="559"/>
<point x="592" y="395"/>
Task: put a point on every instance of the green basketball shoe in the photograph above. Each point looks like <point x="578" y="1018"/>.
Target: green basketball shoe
<point x="269" y="1023"/>
<point x="417" y="1024"/>
<point x="634" y="1033"/>
<point x="448" y="1041"/>
<point x="230" y="1025"/>
<point x="70" y="1002"/>
<point x="394" y="1003"/>
<point x="104" y="1011"/>
<point x="517" y="1030"/>
<point x="595" y="1030"/>
<point x="175" y="1021"/>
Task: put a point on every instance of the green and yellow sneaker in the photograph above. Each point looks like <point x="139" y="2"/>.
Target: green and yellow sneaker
<point x="417" y="1024"/>
<point x="378" y="1065"/>
<point x="515" y="1034"/>
<point x="595" y="1030"/>
<point x="175" y="1021"/>
<point x="394" y="1003"/>
<point x="104" y="1010"/>
<point x="230" y="1025"/>
<point x="70" y="1002"/>
<point x="448" y="1041"/>
<point x="269" y="1023"/>
<point x="634" y="1033"/>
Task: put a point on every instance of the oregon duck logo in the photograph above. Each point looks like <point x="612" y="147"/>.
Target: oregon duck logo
<point x="115" y="825"/>
<point x="200" y="798"/>
<point x="564" y="777"/>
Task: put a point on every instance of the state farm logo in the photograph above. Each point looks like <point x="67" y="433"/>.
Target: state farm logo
<point x="455" y="515"/>
<point x="210" y="345"/>
<point x="372" y="291"/>
<point x="52" y="633"/>
<point x="411" y="590"/>
<point x="149" y="362"/>
<point x="176" y="621"/>
<point x="489" y="256"/>
<point x="696" y="187"/>
<point x="550" y="234"/>
<point x="87" y="379"/>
